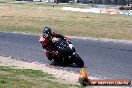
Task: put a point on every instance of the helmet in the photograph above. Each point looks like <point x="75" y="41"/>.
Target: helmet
<point x="47" y="32"/>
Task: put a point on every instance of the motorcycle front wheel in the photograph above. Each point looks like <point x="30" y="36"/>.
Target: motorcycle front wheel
<point x="78" y="60"/>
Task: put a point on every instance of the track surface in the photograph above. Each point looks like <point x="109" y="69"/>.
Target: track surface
<point x="102" y="59"/>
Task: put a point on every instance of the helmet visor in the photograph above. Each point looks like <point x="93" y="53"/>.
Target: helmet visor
<point x="45" y="35"/>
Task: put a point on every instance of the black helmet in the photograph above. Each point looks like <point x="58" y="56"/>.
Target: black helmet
<point x="46" y="32"/>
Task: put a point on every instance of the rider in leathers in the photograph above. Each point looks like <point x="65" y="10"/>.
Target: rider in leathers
<point x="46" y="41"/>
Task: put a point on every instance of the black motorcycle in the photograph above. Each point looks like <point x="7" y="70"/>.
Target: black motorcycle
<point x="66" y="52"/>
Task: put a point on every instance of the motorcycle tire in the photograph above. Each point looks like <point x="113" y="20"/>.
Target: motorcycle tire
<point x="78" y="60"/>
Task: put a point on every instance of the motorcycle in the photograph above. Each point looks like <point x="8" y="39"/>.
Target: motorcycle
<point x="66" y="53"/>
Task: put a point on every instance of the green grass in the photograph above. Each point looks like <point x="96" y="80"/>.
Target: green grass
<point x="3" y="1"/>
<point x="32" y="19"/>
<point x="28" y="78"/>
<point x="26" y="72"/>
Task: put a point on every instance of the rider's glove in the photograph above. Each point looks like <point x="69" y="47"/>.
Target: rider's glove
<point x="67" y="39"/>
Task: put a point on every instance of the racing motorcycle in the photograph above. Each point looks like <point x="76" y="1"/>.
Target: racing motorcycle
<point x="66" y="53"/>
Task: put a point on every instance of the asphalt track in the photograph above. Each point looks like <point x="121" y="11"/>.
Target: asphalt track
<point x="102" y="59"/>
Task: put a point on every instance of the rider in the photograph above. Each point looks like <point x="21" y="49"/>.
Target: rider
<point x="46" y="41"/>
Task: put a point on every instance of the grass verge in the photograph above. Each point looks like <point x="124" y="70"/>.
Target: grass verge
<point x="4" y="1"/>
<point x="30" y="18"/>
<point x="28" y="78"/>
